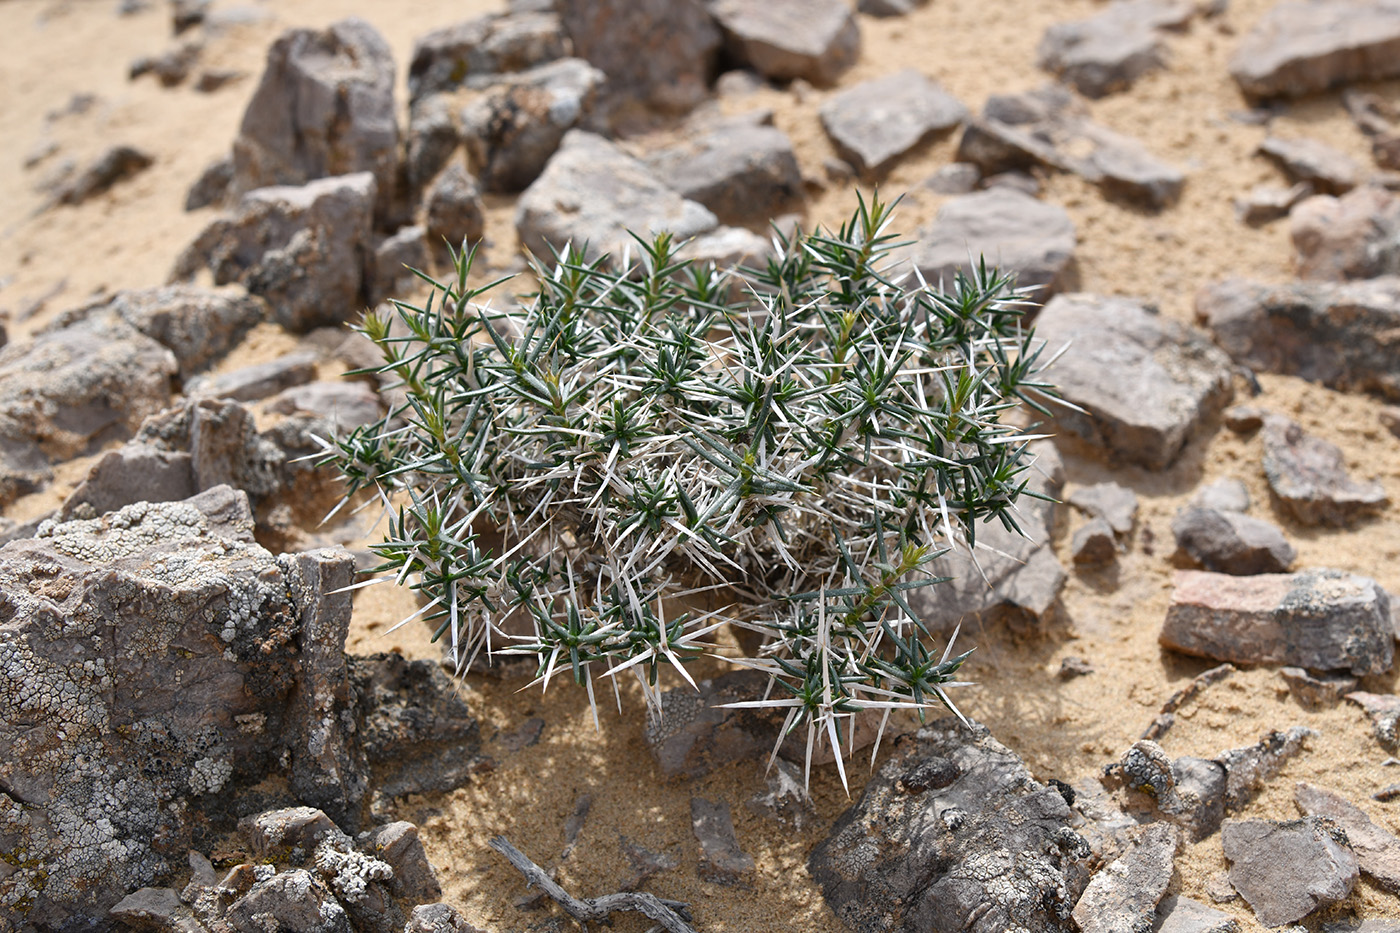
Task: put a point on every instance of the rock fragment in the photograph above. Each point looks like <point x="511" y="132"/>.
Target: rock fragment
<point x="816" y="40"/>
<point x="115" y="165"/>
<point x="476" y="53"/>
<point x="1124" y="894"/>
<point x="1356" y="236"/>
<point x="1327" y="169"/>
<point x="1228" y="542"/>
<point x="1318" y="619"/>
<point x="1377" y="850"/>
<point x="721" y="859"/>
<point x="1286" y="870"/>
<point x="390" y="273"/>
<point x="1264" y="203"/>
<point x="694" y="734"/>
<point x="1309" y="476"/>
<point x="1094" y="543"/>
<point x="741" y="169"/>
<point x="1178" y="914"/>
<point x="453" y="212"/>
<point x="1113" y="48"/>
<point x="1303" y="46"/>
<point x="212" y="185"/>
<point x="258" y="381"/>
<point x="1223" y="495"/>
<point x="888" y="8"/>
<point x="170" y="67"/>
<point x="1249" y="769"/>
<point x="876" y="122"/>
<point x="1317" y="691"/>
<point x="346" y="404"/>
<point x="1117" y="505"/>
<point x="433" y="138"/>
<point x="1384" y="712"/>
<point x="438" y="918"/>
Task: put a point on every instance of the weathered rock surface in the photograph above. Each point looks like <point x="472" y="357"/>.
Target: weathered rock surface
<point x="1094" y="543"/>
<point x="1113" y="48"/>
<point x="741" y="169"/>
<point x="1384" y="712"/>
<point x="1145" y="383"/>
<point x="1377" y="850"/>
<point x="986" y="848"/>
<point x="512" y="129"/>
<point x="1223" y="495"/>
<point x="476" y="53"/>
<point x="694" y="735"/>
<point x="388" y="274"/>
<point x="433" y="138"/>
<point x="1117" y="505"/>
<point x="1309" y="476"/>
<point x="437" y="918"/>
<point x="170" y="67"/>
<point x="1286" y="870"/>
<point x="1265" y="203"/>
<point x="259" y="380"/>
<point x="115" y="165"/>
<point x="1013" y="231"/>
<point x="1250" y="768"/>
<point x="1341" y="335"/>
<point x="302" y="249"/>
<point x="347" y="404"/>
<point x="592" y="194"/>
<point x="1177" y="914"/>
<point x="876" y="122"/>
<point x="816" y="40"/>
<point x="1317" y="692"/>
<point x="1356" y="236"/>
<point x="1318" y="619"/>
<point x="721" y="859"/>
<point x="324" y="106"/>
<point x="1327" y="169"/>
<point x="212" y="185"/>
<point x="1124" y="894"/>
<point x="887" y="8"/>
<point x="1302" y="46"/>
<point x="1228" y="542"/>
<point x="453" y="211"/>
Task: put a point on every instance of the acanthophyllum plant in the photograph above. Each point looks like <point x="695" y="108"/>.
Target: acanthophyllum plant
<point x="796" y="443"/>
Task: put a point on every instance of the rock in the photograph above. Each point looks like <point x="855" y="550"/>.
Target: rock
<point x="433" y="137"/>
<point x="1011" y="230"/>
<point x="1249" y="769"/>
<point x="324" y="106"/>
<point x="290" y="900"/>
<point x="453" y="212"/>
<point x="1094" y="543"/>
<point x="1317" y="619"/>
<point x="346" y="404"/>
<point x="479" y="51"/>
<point x="887" y="8"/>
<point x="815" y="40"/>
<point x="1384" y="713"/>
<point x="133" y="473"/>
<point x="1012" y="578"/>
<point x="1286" y="870"/>
<point x="694" y="735"/>
<point x="1243" y="419"/>
<point x="1117" y="505"/>
<point x="1318" y="692"/>
<point x="1309" y="476"/>
<point x="728" y="248"/>
<point x="1302" y="46"/>
<point x="1073" y="667"/>
<point x="274" y="834"/>
<point x="1356" y="236"/>
<point x="1178" y="914"/>
<point x="513" y="128"/>
<point x="395" y="258"/>
<point x="258" y="381"/>
<point x="721" y="859"/>
<point x="210" y="81"/>
<point x="1201" y="787"/>
<point x="592" y="194"/>
<point x="115" y="165"/>
<point x="1265" y="203"/>
<point x="1023" y="182"/>
<point x="187" y="14"/>
<point x="1377" y="850"/>
<point x="1328" y="170"/>
<point x="399" y="846"/>
<point x="645" y="863"/>
<point x="171" y="67"/>
<point x="954" y="178"/>
<point x="876" y="122"/>
<point x="157" y="910"/>
<point x="990" y="850"/>
<point x="1223" y="495"/>
<point x="1124" y="894"/>
<point x="1112" y="49"/>
<point x="1334" y="334"/>
<point x="1389" y="417"/>
<point x="438" y="918"/>
<point x="787" y="799"/>
<point x="658" y="54"/>
<point x="1229" y="542"/>
<point x="1145" y="384"/>
<point x="742" y="170"/>
<point x="303" y="249"/>
<point x="212" y="185"/>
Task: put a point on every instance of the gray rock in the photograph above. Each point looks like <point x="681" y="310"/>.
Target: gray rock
<point x="1389" y="417"/>
<point x="274" y="834"/>
<point x="954" y="178"/>
<point x="170" y="67"/>
<point x="787" y="799"/>
<point x="157" y="910"/>
<point x="1145" y="384"/>
<point x="1223" y="495"/>
<point x="876" y="122"/>
<point x="1178" y="914"/>
<point x="1094" y="543"/>
<point x="1242" y="419"/>
<point x="645" y="863"/>
<point x="742" y="170"/>
<point x="1302" y="46"/>
<point x="887" y="8"/>
<point x="258" y="381"/>
<point x="290" y="900"/>
<point x="989" y="850"/>
<point x="453" y="211"/>
<point x="728" y="248"/>
<point x="1309" y="476"/>
<point x="1011" y="230"/>
<point x="1023" y="182"/>
<point x="1114" y="47"/>
<point x="1249" y="769"/>
<point x="1124" y="894"/>
<point x="1334" y="334"/>
<point x="324" y="106"/>
<point x="1201" y="784"/>
<point x="1356" y="236"/>
<point x="399" y="846"/>
<point x="1229" y="542"/>
<point x="512" y="129"/>
<point x="1377" y="849"/>
<point x="395" y="257"/>
<point x="1287" y="870"/>
<point x="117" y="164"/>
<point x="658" y="54"/>
<point x="135" y="472"/>
<point x="721" y="859"/>
<point x="1265" y="203"/>
<point x="1327" y="169"/>
<point x="1115" y="504"/>
<point x="346" y="404"/>
<point x="212" y="185"/>
<point x="1369" y="925"/>
<point x="477" y="52"/>
<point x="437" y="918"/>
<point x="816" y="40"/>
<point x="1318" y="619"/>
<point x="302" y="249"/>
<point x="433" y="137"/>
<point x="1317" y="692"/>
<point x="1384" y="712"/>
<point x="592" y="194"/>
<point x="694" y="735"/>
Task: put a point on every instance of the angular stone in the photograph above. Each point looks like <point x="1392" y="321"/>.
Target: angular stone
<point x="1384" y="712"/>
<point x="816" y="40"/>
<point x="1229" y="542"/>
<point x="511" y="130"/>
<point x="1356" y="236"/>
<point x="1377" y="850"/>
<point x="1013" y="231"/>
<point x="170" y="67"/>
<point x="390" y="272"/>
<point x="1309" y="476"/>
<point x="1124" y="894"/>
<point x="477" y="52"/>
<point x="787" y="799"/>
<point x="1094" y="543"/>
<point x="399" y="846"/>
<point x="992" y="843"/>
<point x="1249" y="769"/>
<point x="273" y="834"/>
<point x="212" y="185"/>
<point x="1287" y="870"/>
<point x="876" y="122"/>
<point x="743" y="170"/>
<point x="433" y="137"/>
<point x="954" y="178"/>
<point x="258" y="381"/>
<point x="1145" y="384"/>
<point x="1223" y="495"/>
<point x="1242" y="419"/>
<point x="1302" y="46"/>
<point x="1115" y="504"/>
<point x="117" y="164"/>
<point x="438" y="918"/>
<point x="1327" y="169"/>
<point x="156" y="909"/>
<point x="1200" y="786"/>
<point x="1178" y="914"/>
<point x="592" y="194"/>
<point x="694" y="734"/>
<point x="887" y="8"/>
<point x="290" y="900"/>
<point x="1318" y="692"/>
<point x="302" y="249"/>
<point x="347" y="404"/>
<point x="324" y="106"/>
<point x="721" y="859"/>
<point x="1114" y="47"/>
<point x="1334" y="334"/>
<point x="1264" y="203"/>
<point x="1318" y="619"/>
<point x="453" y="211"/>
<point x="133" y="473"/>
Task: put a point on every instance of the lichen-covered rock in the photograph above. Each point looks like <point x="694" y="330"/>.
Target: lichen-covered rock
<point x="983" y="848"/>
<point x="695" y="734"/>
<point x="1124" y="894"/>
<point x="1286" y="870"/>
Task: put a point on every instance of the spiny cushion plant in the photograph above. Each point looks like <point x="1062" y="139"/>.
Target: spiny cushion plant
<point x="802" y="440"/>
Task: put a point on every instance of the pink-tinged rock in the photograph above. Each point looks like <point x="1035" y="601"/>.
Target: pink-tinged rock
<point x="1356" y="236"/>
<point x="1317" y="619"/>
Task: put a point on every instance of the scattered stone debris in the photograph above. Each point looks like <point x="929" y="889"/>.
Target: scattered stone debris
<point x="1242" y="419"/>
<point x="721" y="859"/>
<point x="1317" y="619"/>
<point x="1304" y="46"/>
<point x="645" y="863"/>
<point x="390" y="273"/>
<point x="1327" y="169"/>
<point x="1094" y="543"/>
<point x="170" y="67"/>
<point x="212" y="185"/>
<point x="1384" y="713"/>
<point x="117" y="164"/>
<point x="787" y="799"/>
<point x="1178" y="914"/>
<point x="1377" y="850"/>
<point x="1166" y="717"/>
<point x="1113" y="48"/>
<point x="1265" y="203"/>
<point x="1317" y="691"/>
<point x="1248" y="769"/>
<point x="1229" y="542"/>
<point x="345" y="404"/>
<point x="815" y="40"/>
<point x="740" y="167"/>
<point x="1124" y="894"/>
<point x="887" y="8"/>
<point x="954" y="178"/>
<point x="1355" y="236"/>
<point x="1309" y="476"/>
<point x="1378" y="119"/>
<point x="876" y="122"/>
<point x="453" y="212"/>
<point x="1286" y="870"/>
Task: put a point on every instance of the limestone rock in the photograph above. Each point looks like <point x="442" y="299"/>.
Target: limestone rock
<point x="389" y="273"/>
<point x="212" y="185"/>
<point x="1309" y="476"/>
<point x="1384" y="712"/>
<point x="346" y="404"/>
<point x="1317" y="692"/>
<point x="816" y="40"/>
<point x="1286" y="870"/>
<point x="433" y="138"/>
<point x="1303" y="46"/>
<point x="1265" y="203"/>
<point x="876" y="122"/>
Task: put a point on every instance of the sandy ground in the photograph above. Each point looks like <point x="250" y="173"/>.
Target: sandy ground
<point x="51" y="51"/>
